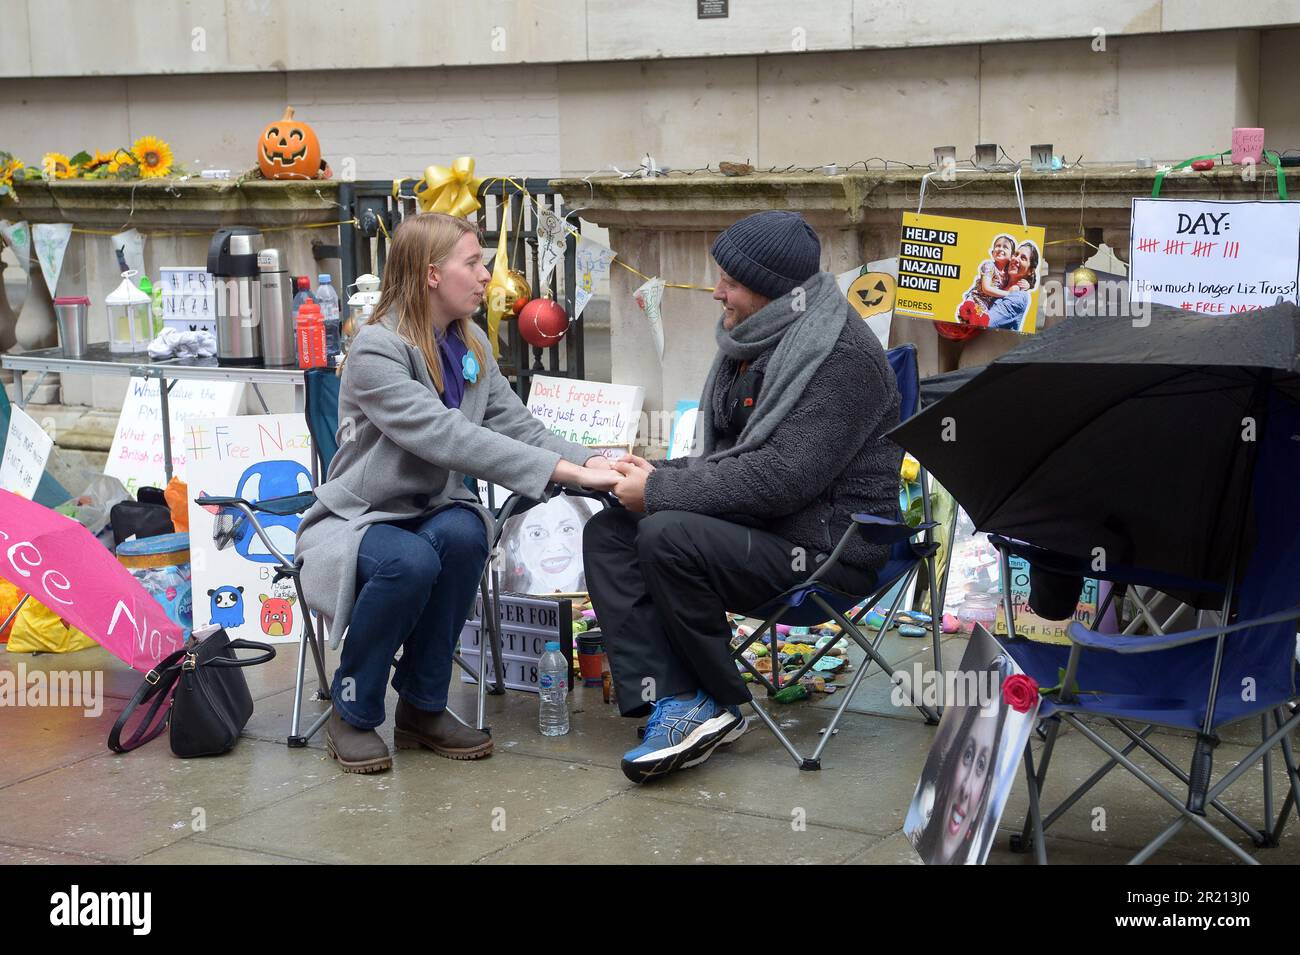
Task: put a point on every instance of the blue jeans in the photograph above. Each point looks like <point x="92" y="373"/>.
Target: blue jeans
<point x="416" y="584"/>
<point x="1009" y="311"/>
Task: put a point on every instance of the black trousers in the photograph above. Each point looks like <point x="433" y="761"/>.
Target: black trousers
<point x="661" y="585"/>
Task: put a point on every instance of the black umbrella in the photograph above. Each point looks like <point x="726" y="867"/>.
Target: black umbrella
<point x="937" y="387"/>
<point x="1105" y="433"/>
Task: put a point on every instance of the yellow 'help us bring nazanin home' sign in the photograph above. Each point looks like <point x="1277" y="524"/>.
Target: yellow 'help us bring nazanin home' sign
<point x="970" y="272"/>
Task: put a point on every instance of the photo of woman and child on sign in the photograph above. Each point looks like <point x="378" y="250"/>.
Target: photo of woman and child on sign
<point x="973" y="762"/>
<point x="1004" y="287"/>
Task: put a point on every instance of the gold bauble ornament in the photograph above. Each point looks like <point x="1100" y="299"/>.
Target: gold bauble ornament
<point x="1083" y="277"/>
<point x="502" y="294"/>
<point x="519" y="287"/>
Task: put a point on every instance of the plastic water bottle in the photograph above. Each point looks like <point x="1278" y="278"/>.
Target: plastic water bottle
<point x="310" y="337"/>
<point x="553" y="691"/>
<point x="328" y="299"/>
<point x="303" y="294"/>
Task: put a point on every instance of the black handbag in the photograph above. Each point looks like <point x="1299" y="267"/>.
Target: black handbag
<point x="211" y="703"/>
<point x="139" y="519"/>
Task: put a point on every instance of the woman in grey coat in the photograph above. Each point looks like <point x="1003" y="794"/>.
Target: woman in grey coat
<point x="393" y="548"/>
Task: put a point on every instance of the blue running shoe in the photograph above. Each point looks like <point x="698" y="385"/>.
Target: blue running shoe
<point x="733" y="734"/>
<point x="679" y="732"/>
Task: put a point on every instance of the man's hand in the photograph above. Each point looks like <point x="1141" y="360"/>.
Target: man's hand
<point x="631" y="490"/>
<point x="637" y="461"/>
<point x="598" y="462"/>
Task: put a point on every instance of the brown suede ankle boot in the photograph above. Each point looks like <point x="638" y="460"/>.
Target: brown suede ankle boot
<point x="440" y="732"/>
<point x="357" y="750"/>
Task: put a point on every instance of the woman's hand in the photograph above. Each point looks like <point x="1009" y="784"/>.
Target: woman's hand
<point x="630" y="491"/>
<point x="593" y="479"/>
<point x="598" y="462"/>
<point x="637" y="461"/>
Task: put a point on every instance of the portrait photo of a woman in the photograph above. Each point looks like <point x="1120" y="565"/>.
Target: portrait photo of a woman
<point x="542" y="548"/>
<point x="971" y="765"/>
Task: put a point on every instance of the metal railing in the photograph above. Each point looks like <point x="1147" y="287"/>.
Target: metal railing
<point x="363" y="248"/>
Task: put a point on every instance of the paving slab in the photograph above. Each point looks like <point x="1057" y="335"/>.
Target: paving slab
<point x="635" y="828"/>
<point x="121" y="807"/>
<point x="427" y="809"/>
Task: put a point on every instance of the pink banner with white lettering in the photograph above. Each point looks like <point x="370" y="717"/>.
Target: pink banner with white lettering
<point x="62" y="565"/>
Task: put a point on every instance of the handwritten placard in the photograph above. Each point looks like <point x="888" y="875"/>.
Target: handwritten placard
<point x="587" y="412"/>
<point x="27" y="448"/>
<point x="136" y="455"/>
<point x="681" y="440"/>
<point x="1247" y="145"/>
<point x="254" y="457"/>
<point x="1214" y="257"/>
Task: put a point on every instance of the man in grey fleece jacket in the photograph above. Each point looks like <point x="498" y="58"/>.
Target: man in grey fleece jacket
<point x="790" y="445"/>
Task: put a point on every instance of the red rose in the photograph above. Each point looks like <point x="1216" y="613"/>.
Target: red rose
<point x="1020" y="692"/>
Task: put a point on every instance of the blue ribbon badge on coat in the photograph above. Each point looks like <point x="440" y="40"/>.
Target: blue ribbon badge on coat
<point x="469" y="367"/>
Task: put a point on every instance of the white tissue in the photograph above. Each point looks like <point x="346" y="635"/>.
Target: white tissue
<point x="174" y="343"/>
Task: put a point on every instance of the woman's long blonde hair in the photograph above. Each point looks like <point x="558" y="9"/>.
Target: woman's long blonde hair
<point x="423" y="240"/>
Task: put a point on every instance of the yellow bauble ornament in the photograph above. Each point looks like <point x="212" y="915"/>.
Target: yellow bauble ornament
<point x="1083" y="280"/>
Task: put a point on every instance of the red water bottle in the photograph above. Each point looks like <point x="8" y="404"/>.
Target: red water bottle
<point x="311" y="336"/>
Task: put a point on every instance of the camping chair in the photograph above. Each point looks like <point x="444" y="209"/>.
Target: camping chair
<point x="1200" y="680"/>
<point x="812" y="602"/>
<point x="322" y="414"/>
<point x="1142" y="590"/>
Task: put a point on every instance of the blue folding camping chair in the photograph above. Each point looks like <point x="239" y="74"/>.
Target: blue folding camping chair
<point x="813" y="602"/>
<point x="1201" y="680"/>
<point x="322" y="414"/>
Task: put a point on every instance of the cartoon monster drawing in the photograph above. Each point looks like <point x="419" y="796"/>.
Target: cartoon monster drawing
<point x="261" y="482"/>
<point x="277" y="615"/>
<point x="227" y="606"/>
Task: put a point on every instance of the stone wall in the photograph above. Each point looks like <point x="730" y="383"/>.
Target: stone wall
<point x="1165" y="96"/>
<point x="77" y="38"/>
<point x="666" y="226"/>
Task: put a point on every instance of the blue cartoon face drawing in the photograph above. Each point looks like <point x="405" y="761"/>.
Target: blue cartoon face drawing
<point x="261" y="482"/>
<point x="227" y="606"/>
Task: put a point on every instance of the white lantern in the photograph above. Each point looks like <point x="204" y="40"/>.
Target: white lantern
<point x="130" y="325"/>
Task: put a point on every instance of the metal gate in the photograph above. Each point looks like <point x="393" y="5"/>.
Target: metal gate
<point x="364" y="247"/>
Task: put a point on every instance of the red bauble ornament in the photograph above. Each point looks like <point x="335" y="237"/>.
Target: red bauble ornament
<point x="543" y="322"/>
<point x="955" y="332"/>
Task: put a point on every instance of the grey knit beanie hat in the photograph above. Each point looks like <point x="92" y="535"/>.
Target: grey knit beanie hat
<point x="769" y="252"/>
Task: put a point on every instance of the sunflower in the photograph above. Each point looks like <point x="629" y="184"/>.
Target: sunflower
<point x="57" y="166"/>
<point x="7" y="169"/>
<point x="98" y="160"/>
<point x="154" y="157"/>
<point x="119" y="158"/>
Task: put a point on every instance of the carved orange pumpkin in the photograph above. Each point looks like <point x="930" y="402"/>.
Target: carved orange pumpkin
<point x="289" y="149"/>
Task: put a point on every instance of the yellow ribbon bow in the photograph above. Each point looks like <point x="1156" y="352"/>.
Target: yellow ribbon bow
<point x="453" y="191"/>
<point x="498" y="285"/>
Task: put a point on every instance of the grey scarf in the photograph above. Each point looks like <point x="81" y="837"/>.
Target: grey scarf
<point x="803" y="326"/>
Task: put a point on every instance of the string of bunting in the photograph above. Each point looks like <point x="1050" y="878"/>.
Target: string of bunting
<point x="439" y="178"/>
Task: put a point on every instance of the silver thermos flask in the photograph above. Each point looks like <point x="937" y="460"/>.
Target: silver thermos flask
<point x="276" y="311"/>
<point x="232" y="262"/>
